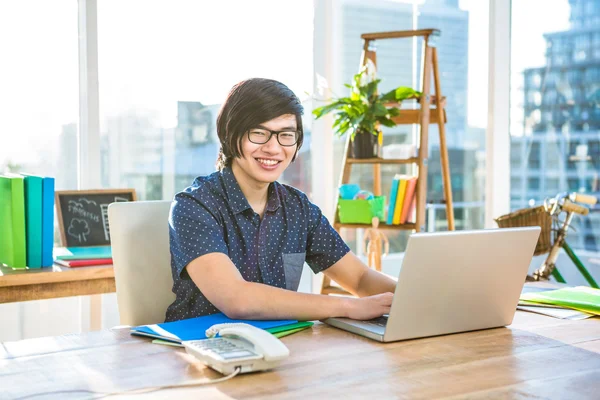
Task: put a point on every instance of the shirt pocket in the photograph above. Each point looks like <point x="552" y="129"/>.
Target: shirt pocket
<point x="293" y="263"/>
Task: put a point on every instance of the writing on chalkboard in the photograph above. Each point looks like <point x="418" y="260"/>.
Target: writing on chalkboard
<point x="83" y="215"/>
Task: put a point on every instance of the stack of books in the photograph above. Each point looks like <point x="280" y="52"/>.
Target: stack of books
<point x="402" y="200"/>
<point x="26" y="221"/>
<point x="83" y="256"/>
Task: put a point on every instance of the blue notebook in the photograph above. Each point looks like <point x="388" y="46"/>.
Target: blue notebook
<point x="33" y="219"/>
<point x="82" y="253"/>
<point x="47" y="221"/>
<point x="195" y="328"/>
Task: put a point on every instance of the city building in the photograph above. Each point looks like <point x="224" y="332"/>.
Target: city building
<point x="559" y="149"/>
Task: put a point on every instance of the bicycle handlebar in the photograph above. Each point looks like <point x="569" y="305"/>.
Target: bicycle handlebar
<point x="576" y="208"/>
<point x="585" y="199"/>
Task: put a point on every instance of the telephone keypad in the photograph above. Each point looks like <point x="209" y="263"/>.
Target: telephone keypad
<point x="223" y="347"/>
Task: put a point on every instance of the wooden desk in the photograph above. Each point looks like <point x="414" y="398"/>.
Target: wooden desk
<point x="50" y="283"/>
<point x="58" y="281"/>
<point x="536" y="357"/>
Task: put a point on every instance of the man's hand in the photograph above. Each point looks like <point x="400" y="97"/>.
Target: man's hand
<point x="370" y="307"/>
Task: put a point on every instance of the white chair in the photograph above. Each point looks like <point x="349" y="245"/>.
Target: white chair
<point x="139" y="234"/>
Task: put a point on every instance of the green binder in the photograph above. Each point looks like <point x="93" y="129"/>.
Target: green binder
<point x="12" y="221"/>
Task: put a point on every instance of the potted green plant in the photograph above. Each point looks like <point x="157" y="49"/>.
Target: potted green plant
<point x="364" y="111"/>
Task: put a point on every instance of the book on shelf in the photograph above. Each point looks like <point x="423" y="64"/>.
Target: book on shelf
<point x="33" y="219"/>
<point x="84" y="262"/>
<point x="399" y="199"/>
<point x="408" y="199"/>
<point x="13" y="250"/>
<point x="47" y="220"/>
<point x="392" y="205"/>
<point x="82" y="253"/>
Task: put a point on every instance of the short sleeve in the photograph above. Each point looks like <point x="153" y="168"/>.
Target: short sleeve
<point x="193" y="232"/>
<point x="325" y="247"/>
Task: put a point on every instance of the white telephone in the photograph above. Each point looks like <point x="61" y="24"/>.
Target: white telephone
<point x="239" y="346"/>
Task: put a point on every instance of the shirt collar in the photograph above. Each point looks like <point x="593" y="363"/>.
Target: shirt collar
<point x="238" y="201"/>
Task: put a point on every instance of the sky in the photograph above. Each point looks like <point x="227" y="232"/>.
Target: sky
<point x="153" y="53"/>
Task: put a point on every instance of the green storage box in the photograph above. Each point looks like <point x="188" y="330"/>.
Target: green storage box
<point x="361" y="211"/>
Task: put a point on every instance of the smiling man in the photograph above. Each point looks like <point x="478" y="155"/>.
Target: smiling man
<point x="239" y="238"/>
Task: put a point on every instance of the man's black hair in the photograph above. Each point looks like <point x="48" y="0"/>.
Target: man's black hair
<point x="248" y="104"/>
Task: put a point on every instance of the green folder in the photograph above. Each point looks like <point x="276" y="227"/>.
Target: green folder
<point x="580" y="298"/>
<point x="298" y="326"/>
<point x="12" y="221"/>
<point x="33" y="220"/>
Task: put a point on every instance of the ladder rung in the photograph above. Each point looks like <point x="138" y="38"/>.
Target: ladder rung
<point x="399" y="34"/>
<point x="412" y="160"/>
<point x="417" y="98"/>
<point x="412" y="117"/>
<point x="406" y="227"/>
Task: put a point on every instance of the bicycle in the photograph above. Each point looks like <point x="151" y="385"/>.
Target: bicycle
<point x="554" y="231"/>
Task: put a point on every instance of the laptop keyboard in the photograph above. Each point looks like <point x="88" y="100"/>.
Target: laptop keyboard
<point x="379" y="321"/>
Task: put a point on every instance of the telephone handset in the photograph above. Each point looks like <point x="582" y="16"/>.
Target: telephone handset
<point x="239" y="345"/>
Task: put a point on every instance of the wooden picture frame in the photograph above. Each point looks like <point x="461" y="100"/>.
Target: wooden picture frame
<point x="82" y="215"/>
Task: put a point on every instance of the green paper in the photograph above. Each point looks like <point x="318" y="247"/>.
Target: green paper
<point x="580" y="298"/>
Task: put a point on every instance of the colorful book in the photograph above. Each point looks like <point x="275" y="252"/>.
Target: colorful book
<point x="47" y="221"/>
<point x="195" y="328"/>
<point x="6" y="240"/>
<point x="84" y="263"/>
<point x="410" y="193"/>
<point x="392" y="205"/>
<point x="33" y="219"/>
<point x="411" y="211"/>
<point x="82" y="253"/>
<point x="12" y="197"/>
<point x="400" y="199"/>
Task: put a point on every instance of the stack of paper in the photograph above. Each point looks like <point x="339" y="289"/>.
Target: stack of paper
<point x="569" y="303"/>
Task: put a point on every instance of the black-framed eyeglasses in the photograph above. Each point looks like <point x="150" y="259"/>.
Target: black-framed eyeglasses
<point x="262" y="135"/>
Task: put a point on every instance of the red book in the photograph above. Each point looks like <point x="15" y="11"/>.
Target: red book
<point x="84" y="263"/>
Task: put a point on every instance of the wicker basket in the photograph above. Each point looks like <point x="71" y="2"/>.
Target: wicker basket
<point x="536" y="216"/>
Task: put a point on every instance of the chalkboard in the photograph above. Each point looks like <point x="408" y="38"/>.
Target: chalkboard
<point x="83" y="215"/>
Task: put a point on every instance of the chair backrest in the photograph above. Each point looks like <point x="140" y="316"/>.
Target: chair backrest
<point x="139" y="234"/>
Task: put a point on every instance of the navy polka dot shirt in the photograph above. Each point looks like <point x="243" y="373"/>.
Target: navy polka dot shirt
<point x="213" y="215"/>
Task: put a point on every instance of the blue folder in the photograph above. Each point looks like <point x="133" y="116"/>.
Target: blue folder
<point x="47" y="221"/>
<point x="195" y="328"/>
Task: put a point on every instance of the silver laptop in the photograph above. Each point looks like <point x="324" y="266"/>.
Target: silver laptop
<point x="453" y="282"/>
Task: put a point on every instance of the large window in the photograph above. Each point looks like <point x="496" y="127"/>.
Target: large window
<point x="163" y="82"/>
<point x="463" y="65"/>
<point x="38" y="129"/>
<point x="39" y="89"/>
<point x="556" y="130"/>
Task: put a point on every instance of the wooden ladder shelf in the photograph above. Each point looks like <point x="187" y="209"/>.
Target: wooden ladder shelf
<point x="431" y="110"/>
